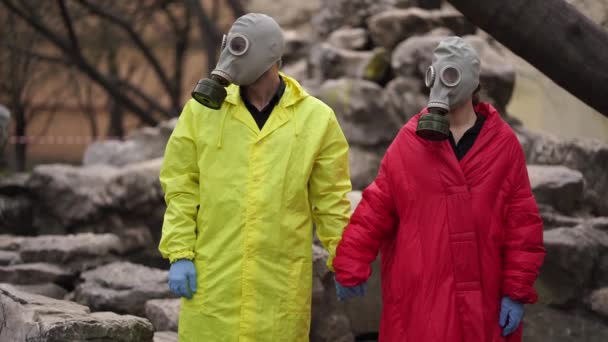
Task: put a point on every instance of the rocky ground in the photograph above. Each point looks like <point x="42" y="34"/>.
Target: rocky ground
<point x="78" y="258"/>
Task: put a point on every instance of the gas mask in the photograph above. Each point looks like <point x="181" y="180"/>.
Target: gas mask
<point x="254" y="43"/>
<point x="452" y="78"/>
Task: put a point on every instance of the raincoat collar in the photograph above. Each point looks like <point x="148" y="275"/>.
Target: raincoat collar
<point x="294" y="93"/>
<point x="281" y="114"/>
<point x="455" y="172"/>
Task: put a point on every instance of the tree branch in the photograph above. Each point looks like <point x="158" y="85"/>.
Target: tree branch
<point x="83" y="65"/>
<point x="35" y="55"/>
<point x="237" y="8"/>
<point x="67" y="21"/>
<point x="145" y="50"/>
<point x="208" y="31"/>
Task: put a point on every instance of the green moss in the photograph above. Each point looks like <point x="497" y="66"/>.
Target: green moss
<point x="378" y="65"/>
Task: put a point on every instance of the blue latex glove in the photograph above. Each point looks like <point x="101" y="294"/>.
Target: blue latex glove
<point x="182" y="275"/>
<point x="511" y="313"/>
<point x="346" y="292"/>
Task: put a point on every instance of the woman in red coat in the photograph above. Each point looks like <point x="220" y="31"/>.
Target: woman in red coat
<point x="453" y="216"/>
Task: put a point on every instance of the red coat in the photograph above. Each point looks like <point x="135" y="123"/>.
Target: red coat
<point x="454" y="236"/>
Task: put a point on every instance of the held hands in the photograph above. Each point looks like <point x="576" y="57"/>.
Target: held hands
<point x="182" y="278"/>
<point x="344" y="292"/>
<point x="511" y="313"/>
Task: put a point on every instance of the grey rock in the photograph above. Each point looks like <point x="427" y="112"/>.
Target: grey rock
<point x="135" y="189"/>
<point x="330" y="62"/>
<point x="122" y="287"/>
<point x="355" y="198"/>
<point x="590" y="157"/>
<point x="49" y="290"/>
<point x="558" y="186"/>
<point x="143" y="144"/>
<point x="288" y="13"/>
<point x="370" y="304"/>
<point x="601" y="271"/>
<point x="297" y="46"/>
<point x="600" y="223"/>
<point x="30" y="317"/>
<point x="334" y="14"/>
<point x="68" y="195"/>
<point x="165" y="336"/>
<point x="36" y="273"/>
<point x="364" y="165"/>
<point x="552" y="219"/>
<point x="598" y="302"/>
<point x="163" y="313"/>
<point x="82" y="251"/>
<point x="413" y="56"/>
<point x="319" y="260"/>
<point x="329" y="322"/>
<point x="349" y="38"/>
<point x="297" y="70"/>
<point x="14" y="184"/>
<point x="334" y="328"/>
<point x="62" y="249"/>
<point x="136" y="239"/>
<point x="543" y="323"/>
<point x="10" y="242"/>
<point x="9" y="258"/>
<point x="361" y="111"/>
<point x="389" y="28"/>
<point x="567" y="272"/>
<point x="16" y="214"/>
<point x="404" y="98"/>
<point x="70" y="198"/>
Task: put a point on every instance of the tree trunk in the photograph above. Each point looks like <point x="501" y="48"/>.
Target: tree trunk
<point x="429" y="4"/>
<point x="553" y="36"/>
<point x="116" y="129"/>
<point x="208" y="31"/>
<point x="21" y="139"/>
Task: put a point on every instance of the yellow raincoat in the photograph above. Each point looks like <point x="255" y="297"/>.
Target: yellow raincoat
<point x="241" y="203"/>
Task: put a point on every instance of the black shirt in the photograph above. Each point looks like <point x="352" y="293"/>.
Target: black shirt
<point x="467" y="140"/>
<point x="262" y="116"/>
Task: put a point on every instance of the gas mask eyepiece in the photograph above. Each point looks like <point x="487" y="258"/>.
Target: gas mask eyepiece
<point x="211" y="92"/>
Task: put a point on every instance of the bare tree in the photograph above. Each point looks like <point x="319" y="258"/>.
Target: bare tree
<point x="553" y="36"/>
<point x="19" y="72"/>
<point x="430" y="4"/>
<point x="154" y="34"/>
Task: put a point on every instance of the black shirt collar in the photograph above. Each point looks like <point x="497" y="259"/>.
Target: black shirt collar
<point x="273" y="102"/>
<point x="468" y="138"/>
<point x="261" y="116"/>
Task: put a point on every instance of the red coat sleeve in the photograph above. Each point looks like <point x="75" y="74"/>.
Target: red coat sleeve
<point x="523" y="250"/>
<point x="373" y="221"/>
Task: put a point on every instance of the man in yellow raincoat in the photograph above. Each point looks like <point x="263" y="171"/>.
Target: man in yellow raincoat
<point x="243" y="185"/>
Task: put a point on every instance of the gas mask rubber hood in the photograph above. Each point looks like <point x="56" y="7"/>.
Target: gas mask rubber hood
<point x="254" y="43"/>
<point x="452" y="78"/>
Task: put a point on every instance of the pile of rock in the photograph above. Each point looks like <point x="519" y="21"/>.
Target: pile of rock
<point x="109" y="283"/>
<point x="46" y="270"/>
<point x="369" y="62"/>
